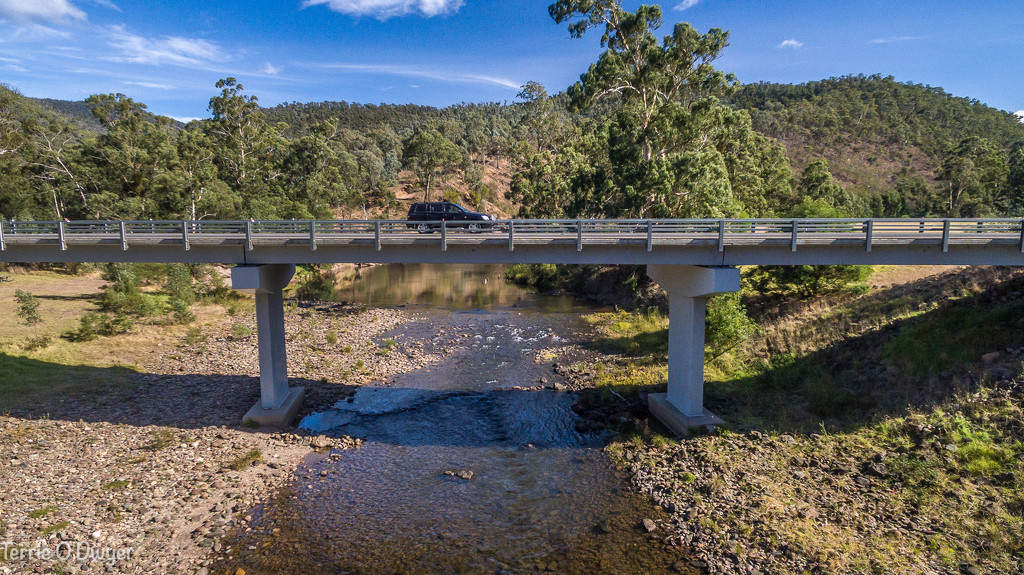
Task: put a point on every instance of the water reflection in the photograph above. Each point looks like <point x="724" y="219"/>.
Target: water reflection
<point x="446" y="286"/>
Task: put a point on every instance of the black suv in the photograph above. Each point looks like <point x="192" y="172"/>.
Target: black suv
<point x="430" y="214"/>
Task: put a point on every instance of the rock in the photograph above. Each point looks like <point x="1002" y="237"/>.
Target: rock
<point x="990" y="357"/>
<point x="605" y="526"/>
<point x="203" y="571"/>
<point x="461" y="473"/>
<point x="650" y="525"/>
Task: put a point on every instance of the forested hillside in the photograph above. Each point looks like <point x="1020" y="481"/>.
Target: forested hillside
<point x="875" y="132"/>
<point x="653" y="129"/>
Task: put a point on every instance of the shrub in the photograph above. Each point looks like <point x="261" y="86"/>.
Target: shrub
<point x="36" y="343"/>
<point x="727" y="324"/>
<point x="28" y="307"/>
<point x="332" y="337"/>
<point x="316" y="283"/>
<point x="807" y="281"/>
<point x="182" y="314"/>
<point x="179" y="285"/>
<point x="240" y="330"/>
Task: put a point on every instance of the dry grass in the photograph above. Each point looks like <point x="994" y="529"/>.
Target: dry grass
<point x="64" y="368"/>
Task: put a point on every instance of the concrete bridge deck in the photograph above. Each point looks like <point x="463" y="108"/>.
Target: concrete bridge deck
<point x="691" y="259"/>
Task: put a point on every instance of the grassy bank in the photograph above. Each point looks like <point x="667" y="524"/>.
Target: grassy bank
<point x="880" y="432"/>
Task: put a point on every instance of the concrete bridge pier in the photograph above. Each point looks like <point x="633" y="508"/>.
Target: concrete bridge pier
<point x="278" y="403"/>
<point x="688" y="287"/>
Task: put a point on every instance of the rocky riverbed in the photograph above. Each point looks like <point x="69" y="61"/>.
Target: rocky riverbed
<point x="146" y="477"/>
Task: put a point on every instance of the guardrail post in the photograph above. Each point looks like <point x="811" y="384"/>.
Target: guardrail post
<point x="792" y="242"/>
<point x="1021" y="236"/>
<point x="511" y="236"/>
<point x="869" y="227"/>
<point x="376" y="234"/>
<point x="60" y="235"/>
<point x="945" y="235"/>
<point x="124" y="236"/>
<point x="721" y="235"/>
<point x="248" y="235"/>
<point x="579" y="235"/>
<point x="444" y="235"/>
<point x="650" y="235"/>
<point x="3" y="244"/>
<point x="312" y="235"/>
<point x="184" y="235"/>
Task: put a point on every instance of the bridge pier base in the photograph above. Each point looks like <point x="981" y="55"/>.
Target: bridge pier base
<point x="688" y="287"/>
<point x="278" y="403"/>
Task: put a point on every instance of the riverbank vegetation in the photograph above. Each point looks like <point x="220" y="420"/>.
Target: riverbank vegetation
<point x="865" y="431"/>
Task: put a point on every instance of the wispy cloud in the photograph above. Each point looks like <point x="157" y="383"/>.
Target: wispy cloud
<point x="108" y="4"/>
<point x="26" y="11"/>
<point x="33" y="32"/>
<point x="384" y="9"/>
<point x="150" y="85"/>
<point x="270" y="69"/>
<point x="174" y="50"/>
<point x="686" y="4"/>
<point x="439" y="75"/>
<point x="892" y="39"/>
<point x="791" y="43"/>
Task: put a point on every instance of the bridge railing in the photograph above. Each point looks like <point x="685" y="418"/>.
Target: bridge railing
<point x="795" y="232"/>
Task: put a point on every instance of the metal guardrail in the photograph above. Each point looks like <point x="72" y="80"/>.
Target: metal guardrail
<point x="253" y="234"/>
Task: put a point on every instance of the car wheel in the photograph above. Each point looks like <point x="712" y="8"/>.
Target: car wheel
<point x="474" y="227"/>
<point x="423" y="228"/>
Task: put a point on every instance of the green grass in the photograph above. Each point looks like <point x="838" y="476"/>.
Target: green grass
<point x="240" y="330"/>
<point x="116" y="485"/>
<point x="54" y="528"/>
<point x="246" y="460"/>
<point x="160" y="439"/>
<point x="42" y="512"/>
<point x="954" y="337"/>
<point x="25" y="381"/>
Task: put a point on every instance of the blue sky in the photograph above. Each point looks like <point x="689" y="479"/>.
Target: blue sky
<point x="169" y="54"/>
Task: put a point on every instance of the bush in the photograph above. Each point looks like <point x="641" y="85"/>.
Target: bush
<point x="807" y="281"/>
<point x="179" y="285"/>
<point x="316" y="283"/>
<point x="36" y="343"/>
<point x="727" y="324"/>
<point x="28" y="307"/>
<point x="182" y="314"/>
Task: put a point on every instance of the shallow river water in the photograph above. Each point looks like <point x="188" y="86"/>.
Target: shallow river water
<point x="541" y="497"/>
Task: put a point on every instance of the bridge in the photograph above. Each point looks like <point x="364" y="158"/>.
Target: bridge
<point x="690" y="259"/>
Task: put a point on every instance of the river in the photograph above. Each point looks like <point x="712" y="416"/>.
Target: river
<point x="460" y="472"/>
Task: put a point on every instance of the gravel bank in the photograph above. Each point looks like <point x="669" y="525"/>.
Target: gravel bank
<point x="147" y="477"/>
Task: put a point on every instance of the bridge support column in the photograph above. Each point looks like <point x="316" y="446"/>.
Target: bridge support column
<point x="688" y="287"/>
<point x="278" y="403"/>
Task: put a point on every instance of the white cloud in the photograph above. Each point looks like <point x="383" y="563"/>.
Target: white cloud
<point x="1020" y="115"/>
<point x="150" y="85"/>
<point x="440" y="75"/>
<point x="892" y="39"/>
<point x="25" y="11"/>
<point x="108" y="4"/>
<point x="686" y="4"/>
<point x="791" y="43"/>
<point x="384" y="9"/>
<point x="167" y="50"/>
<point x="269" y="68"/>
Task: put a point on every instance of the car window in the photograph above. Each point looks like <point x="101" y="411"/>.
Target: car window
<point x="453" y="209"/>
